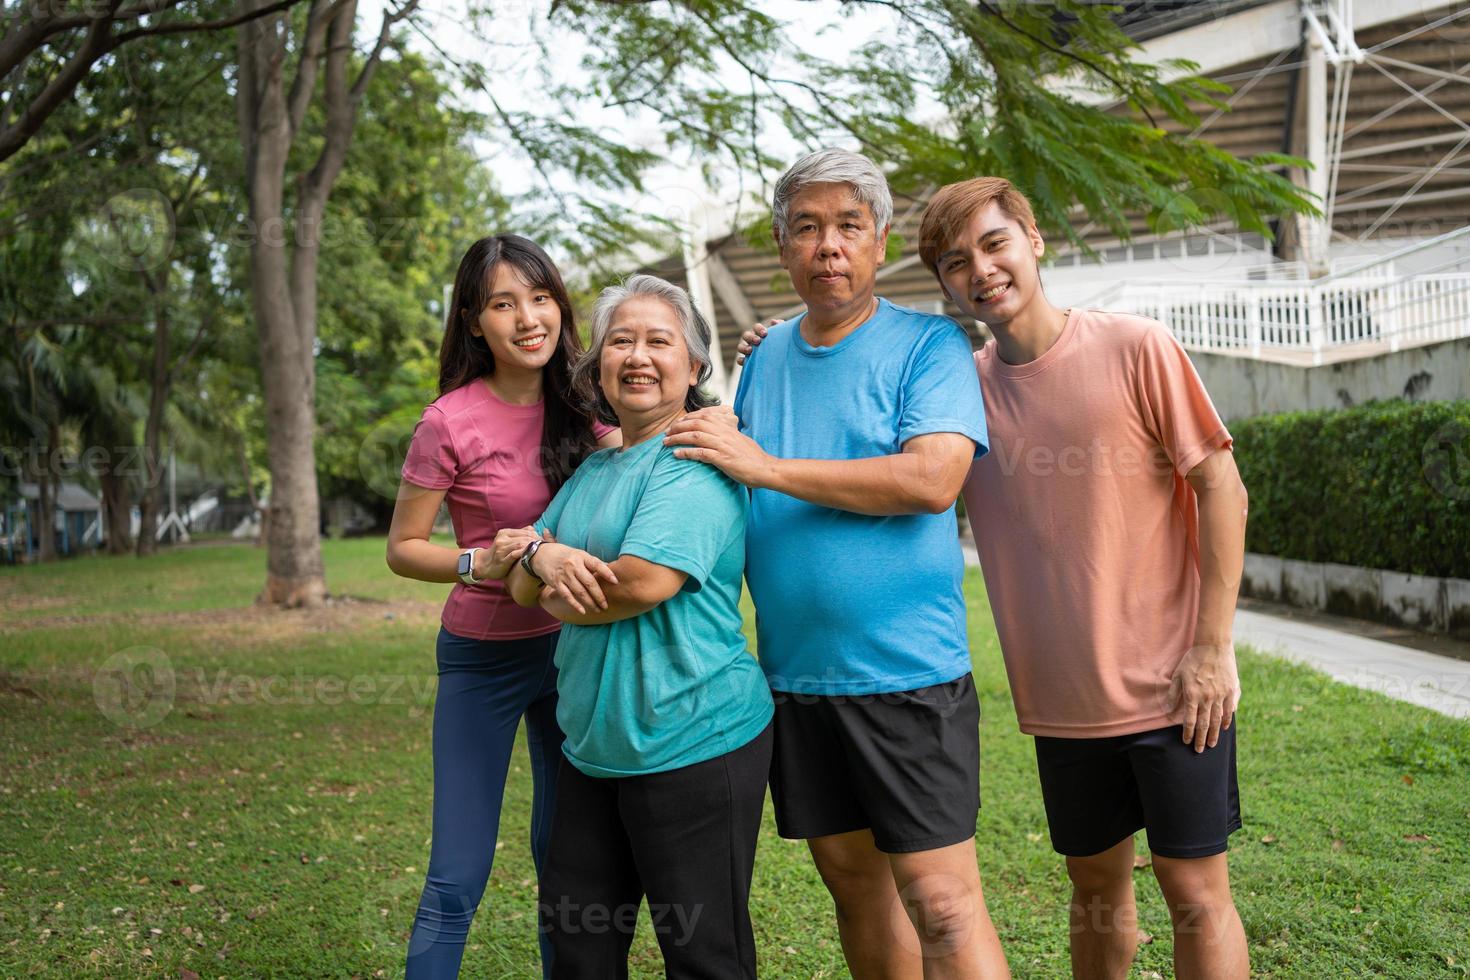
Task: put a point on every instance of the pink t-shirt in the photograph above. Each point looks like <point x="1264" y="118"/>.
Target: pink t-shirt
<point x="486" y="454"/>
<point x="1087" y="530"/>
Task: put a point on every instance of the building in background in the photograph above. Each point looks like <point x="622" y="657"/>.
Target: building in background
<point x="1372" y="300"/>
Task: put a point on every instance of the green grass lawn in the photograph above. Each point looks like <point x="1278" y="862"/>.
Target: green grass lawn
<point x="275" y="820"/>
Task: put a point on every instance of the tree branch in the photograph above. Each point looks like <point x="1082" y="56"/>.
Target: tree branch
<point x="303" y="85"/>
<point x="209" y="25"/>
<point x="1122" y="89"/>
<point x="98" y="42"/>
<point x="771" y="82"/>
<point x="385" y="34"/>
<point x="93" y="47"/>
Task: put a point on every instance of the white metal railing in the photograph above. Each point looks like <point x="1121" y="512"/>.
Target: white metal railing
<point x="1372" y="303"/>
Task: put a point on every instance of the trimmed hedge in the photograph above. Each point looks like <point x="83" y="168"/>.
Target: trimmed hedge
<point x="1383" y="485"/>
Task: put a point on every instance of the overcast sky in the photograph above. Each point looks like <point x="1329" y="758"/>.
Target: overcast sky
<point x="675" y="189"/>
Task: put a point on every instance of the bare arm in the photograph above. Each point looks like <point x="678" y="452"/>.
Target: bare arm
<point x="925" y="478"/>
<point x="1207" y="683"/>
<point x="1222" y="514"/>
<point x="641" y="586"/>
<point x="524" y="589"/>
<point x="411" y="555"/>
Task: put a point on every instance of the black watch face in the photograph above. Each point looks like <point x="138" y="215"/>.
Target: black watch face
<point x="464" y="563"/>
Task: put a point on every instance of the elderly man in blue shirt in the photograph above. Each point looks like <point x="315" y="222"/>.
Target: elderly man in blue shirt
<point x="858" y="422"/>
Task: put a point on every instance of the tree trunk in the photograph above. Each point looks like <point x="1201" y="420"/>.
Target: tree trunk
<point x="150" y="502"/>
<point x="48" y="484"/>
<point x="282" y="272"/>
<point x="255" y="507"/>
<point x="294" y="573"/>
<point x="116" y="516"/>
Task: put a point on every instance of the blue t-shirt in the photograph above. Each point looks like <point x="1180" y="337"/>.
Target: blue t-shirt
<point x="846" y="603"/>
<point x="675" y="685"/>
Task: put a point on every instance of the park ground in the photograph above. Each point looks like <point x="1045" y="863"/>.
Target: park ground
<point x="272" y="817"/>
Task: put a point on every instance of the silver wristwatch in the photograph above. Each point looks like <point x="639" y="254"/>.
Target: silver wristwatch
<point x="467" y="566"/>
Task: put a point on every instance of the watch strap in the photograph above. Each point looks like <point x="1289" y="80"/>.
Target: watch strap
<point x="468" y="576"/>
<point x="526" y="557"/>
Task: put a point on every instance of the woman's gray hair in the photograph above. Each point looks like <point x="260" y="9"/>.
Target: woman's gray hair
<point x="697" y="337"/>
<point x="833" y="166"/>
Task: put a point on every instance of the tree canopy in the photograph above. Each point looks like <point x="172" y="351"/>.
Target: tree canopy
<point x="135" y="214"/>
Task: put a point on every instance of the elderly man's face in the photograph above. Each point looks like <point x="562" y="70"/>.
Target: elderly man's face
<point x="832" y="249"/>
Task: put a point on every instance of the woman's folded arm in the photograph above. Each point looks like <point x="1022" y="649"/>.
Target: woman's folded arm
<point x="641" y="586"/>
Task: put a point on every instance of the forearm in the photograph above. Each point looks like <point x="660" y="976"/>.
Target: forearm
<point x="416" y="558"/>
<point x="1222" y="517"/>
<point x="524" y="589"/>
<point x="904" y="483"/>
<point x="641" y="585"/>
<point x="619" y="607"/>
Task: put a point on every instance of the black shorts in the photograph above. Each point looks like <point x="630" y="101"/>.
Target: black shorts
<point x="905" y="765"/>
<point x="1099" y="791"/>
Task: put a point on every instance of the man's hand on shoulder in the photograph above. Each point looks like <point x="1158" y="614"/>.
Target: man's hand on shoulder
<point x="712" y="435"/>
<point x="752" y="338"/>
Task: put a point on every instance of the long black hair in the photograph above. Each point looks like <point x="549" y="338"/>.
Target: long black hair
<point x="566" y="436"/>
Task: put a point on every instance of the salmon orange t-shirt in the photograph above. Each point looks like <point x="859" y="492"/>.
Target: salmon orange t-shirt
<point x="1087" y="530"/>
<point x="486" y="455"/>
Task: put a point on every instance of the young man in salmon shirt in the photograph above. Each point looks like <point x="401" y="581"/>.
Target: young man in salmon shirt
<point x="1110" y="523"/>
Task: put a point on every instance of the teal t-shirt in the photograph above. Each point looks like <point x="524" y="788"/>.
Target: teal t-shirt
<point x="676" y="685"/>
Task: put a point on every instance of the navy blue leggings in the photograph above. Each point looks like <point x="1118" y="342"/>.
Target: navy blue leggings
<point x="485" y="688"/>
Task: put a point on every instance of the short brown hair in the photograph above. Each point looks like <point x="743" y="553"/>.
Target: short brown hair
<point x="953" y="205"/>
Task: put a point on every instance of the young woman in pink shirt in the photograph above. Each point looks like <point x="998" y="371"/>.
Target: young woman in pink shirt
<point x="506" y="432"/>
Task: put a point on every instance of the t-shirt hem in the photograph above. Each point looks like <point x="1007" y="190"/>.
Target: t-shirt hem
<point x="959" y="427"/>
<point x="679" y="563"/>
<point x="418" y="479"/>
<point x="498" y="634"/>
<point x="727" y="743"/>
<point x="884" y="685"/>
<point x="1091" y="730"/>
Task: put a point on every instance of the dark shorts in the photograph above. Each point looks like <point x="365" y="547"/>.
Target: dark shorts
<point x="905" y="765"/>
<point x="1099" y="791"/>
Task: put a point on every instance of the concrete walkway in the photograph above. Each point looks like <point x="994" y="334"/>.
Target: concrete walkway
<point x="1425" y="679"/>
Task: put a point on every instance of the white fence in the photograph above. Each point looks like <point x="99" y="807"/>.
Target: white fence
<point x="1365" y="309"/>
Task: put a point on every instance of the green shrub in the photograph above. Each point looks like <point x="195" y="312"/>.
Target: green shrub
<point x="1383" y="485"/>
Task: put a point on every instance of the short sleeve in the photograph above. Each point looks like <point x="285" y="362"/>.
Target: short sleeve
<point x="737" y="405"/>
<point x="941" y="391"/>
<point x="688" y="515"/>
<point x="1176" y="408"/>
<point x="431" y="461"/>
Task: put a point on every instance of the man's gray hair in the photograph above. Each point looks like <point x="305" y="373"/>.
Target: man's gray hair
<point x="833" y="166"/>
<point x="697" y="337"/>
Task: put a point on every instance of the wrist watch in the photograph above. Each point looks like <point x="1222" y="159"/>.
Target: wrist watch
<point x="467" y="566"/>
<point x="526" y="557"/>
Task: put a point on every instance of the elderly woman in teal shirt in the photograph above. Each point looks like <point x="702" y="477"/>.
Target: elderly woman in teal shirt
<point x="666" y="714"/>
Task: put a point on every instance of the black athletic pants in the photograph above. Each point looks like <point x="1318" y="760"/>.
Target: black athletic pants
<point x="684" y="838"/>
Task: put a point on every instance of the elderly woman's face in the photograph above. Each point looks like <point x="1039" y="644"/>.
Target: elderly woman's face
<point x="645" y="365"/>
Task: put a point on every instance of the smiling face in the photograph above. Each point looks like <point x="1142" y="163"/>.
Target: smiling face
<point x="644" y="367"/>
<point x="990" y="270"/>
<point x="832" y="249"/>
<point x="521" y="323"/>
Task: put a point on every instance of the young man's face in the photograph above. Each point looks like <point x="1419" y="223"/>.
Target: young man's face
<point x="990" y="270"/>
